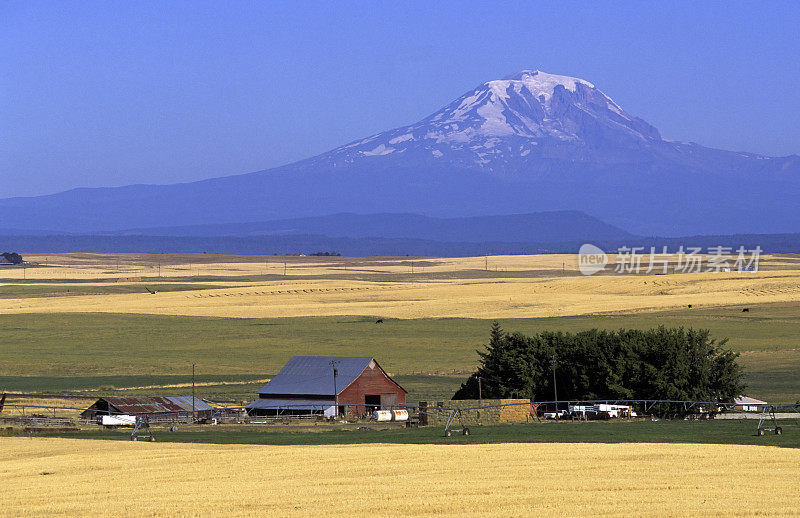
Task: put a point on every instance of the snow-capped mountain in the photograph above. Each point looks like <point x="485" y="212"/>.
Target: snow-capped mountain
<point x="530" y="142"/>
<point x="510" y="125"/>
<point x="521" y="117"/>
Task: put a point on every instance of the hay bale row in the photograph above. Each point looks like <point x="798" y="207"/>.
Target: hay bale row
<point x="435" y="413"/>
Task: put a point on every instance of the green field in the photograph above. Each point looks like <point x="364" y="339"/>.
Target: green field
<point x="679" y="431"/>
<point x="104" y="352"/>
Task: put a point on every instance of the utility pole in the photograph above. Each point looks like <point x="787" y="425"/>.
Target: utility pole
<point x="335" y="392"/>
<point x="193" y="410"/>
<point x="486" y="263"/>
<point x="480" y="393"/>
<point x="555" y="388"/>
<point x="284" y="268"/>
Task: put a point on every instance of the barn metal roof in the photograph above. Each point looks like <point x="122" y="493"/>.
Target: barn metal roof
<point x="313" y="375"/>
<point x="302" y="404"/>
<point x="156" y="404"/>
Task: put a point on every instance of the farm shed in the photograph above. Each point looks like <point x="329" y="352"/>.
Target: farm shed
<point x="305" y="386"/>
<point x="165" y="407"/>
<point x="748" y="404"/>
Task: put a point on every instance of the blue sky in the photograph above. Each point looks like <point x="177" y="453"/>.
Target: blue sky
<point x="115" y="93"/>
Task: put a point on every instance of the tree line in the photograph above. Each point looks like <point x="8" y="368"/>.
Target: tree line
<point x="12" y="257"/>
<point x="660" y="363"/>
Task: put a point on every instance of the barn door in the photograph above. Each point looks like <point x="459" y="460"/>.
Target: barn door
<point x="372" y="402"/>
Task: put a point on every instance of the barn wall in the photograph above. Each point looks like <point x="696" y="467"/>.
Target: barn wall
<point x="371" y="382"/>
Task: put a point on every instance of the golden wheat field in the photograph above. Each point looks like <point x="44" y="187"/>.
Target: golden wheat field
<point x="476" y="287"/>
<point x="86" y="477"/>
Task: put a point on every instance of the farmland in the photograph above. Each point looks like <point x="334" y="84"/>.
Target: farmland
<point x="430" y="357"/>
<point x="87" y="322"/>
<point x="483" y="288"/>
<point x="490" y="479"/>
<point x="83" y="325"/>
<point x="91" y="324"/>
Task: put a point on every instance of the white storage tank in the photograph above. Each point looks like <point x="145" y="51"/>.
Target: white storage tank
<point x="382" y="415"/>
<point x="400" y="415"/>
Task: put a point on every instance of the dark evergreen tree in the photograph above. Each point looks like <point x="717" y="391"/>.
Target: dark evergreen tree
<point x="661" y="363"/>
<point x="12" y="257"/>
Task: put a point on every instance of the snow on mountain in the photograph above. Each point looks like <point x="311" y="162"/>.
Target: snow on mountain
<point x="508" y="118"/>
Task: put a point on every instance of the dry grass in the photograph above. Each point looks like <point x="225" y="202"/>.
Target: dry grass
<point x="122" y="266"/>
<point x="83" y="477"/>
<point x="507" y="298"/>
<point x="522" y="286"/>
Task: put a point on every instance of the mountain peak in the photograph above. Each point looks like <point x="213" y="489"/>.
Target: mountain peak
<point x="525" y="116"/>
<point x="518" y="76"/>
<point x="533" y="105"/>
<point x="544" y="83"/>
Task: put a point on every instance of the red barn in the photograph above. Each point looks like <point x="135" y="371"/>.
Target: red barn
<point x="314" y="384"/>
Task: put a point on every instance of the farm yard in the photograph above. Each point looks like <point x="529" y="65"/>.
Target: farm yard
<point x="85" y="325"/>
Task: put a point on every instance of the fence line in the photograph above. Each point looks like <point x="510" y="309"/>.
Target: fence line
<point x="219" y="411"/>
